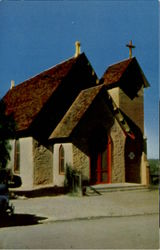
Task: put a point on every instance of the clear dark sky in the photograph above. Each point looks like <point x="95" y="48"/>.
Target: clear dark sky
<point x="36" y="35"/>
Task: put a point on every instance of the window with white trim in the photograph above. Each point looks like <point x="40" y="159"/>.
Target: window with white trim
<point x="17" y="156"/>
<point x="61" y="160"/>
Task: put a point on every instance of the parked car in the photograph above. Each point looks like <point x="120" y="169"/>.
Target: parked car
<point x="6" y="208"/>
<point x="7" y="177"/>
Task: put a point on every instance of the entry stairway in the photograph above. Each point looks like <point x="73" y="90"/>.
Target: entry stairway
<point x="103" y="188"/>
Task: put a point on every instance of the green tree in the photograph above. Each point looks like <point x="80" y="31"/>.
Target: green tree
<point x="154" y="166"/>
<point x="7" y="128"/>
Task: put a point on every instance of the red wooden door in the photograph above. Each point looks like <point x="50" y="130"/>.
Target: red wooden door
<point x="100" y="166"/>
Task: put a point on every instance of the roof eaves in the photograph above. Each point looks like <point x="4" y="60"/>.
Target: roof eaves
<point x="146" y="83"/>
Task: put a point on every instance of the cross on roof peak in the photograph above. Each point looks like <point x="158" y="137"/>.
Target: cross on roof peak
<point x="130" y="46"/>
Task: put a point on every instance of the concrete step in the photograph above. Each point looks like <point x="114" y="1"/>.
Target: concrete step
<point x="103" y="188"/>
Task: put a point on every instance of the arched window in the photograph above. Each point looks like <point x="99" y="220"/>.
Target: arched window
<point x="17" y="157"/>
<point x="61" y="160"/>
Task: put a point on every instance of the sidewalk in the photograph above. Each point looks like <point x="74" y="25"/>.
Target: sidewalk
<point x="51" y="190"/>
<point x="110" y="204"/>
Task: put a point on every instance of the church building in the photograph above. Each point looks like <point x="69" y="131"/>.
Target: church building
<point x="66" y="116"/>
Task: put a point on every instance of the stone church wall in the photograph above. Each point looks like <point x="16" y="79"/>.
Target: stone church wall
<point x="114" y="93"/>
<point x="43" y="163"/>
<point x="132" y="108"/>
<point x="118" y="159"/>
<point x="81" y="162"/>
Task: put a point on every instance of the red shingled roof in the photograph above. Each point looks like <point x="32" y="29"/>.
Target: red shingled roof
<point x="27" y="99"/>
<point x="127" y="75"/>
<point x="114" y="72"/>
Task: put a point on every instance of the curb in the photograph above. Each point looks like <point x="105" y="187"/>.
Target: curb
<point x="51" y="220"/>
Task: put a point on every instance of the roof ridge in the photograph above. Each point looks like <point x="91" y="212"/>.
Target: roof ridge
<point x="128" y="59"/>
<point x="96" y="86"/>
<point x="43" y="72"/>
<point x="36" y="95"/>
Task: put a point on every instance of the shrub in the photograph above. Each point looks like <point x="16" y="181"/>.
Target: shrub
<point x="73" y="180"/>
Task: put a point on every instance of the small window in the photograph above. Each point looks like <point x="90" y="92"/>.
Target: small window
<point x="17" y="157"/>
<point x="61" y="160"/>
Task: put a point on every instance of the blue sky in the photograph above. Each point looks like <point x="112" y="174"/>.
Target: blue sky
<point x="35" y="35"/>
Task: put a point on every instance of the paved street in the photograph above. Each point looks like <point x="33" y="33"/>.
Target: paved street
<point x="135" y="232"/>
<point x="65" y="207"/>
<point x="114" y="220"/>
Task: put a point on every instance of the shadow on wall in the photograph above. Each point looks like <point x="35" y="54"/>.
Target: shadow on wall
<point x="93" y="129"/>
<point x="20" y="220"/>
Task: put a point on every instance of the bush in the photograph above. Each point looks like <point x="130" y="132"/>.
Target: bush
<point x="154" y="166"/>
<point x="73" y="180"/>
<point x="7" y="130"/>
